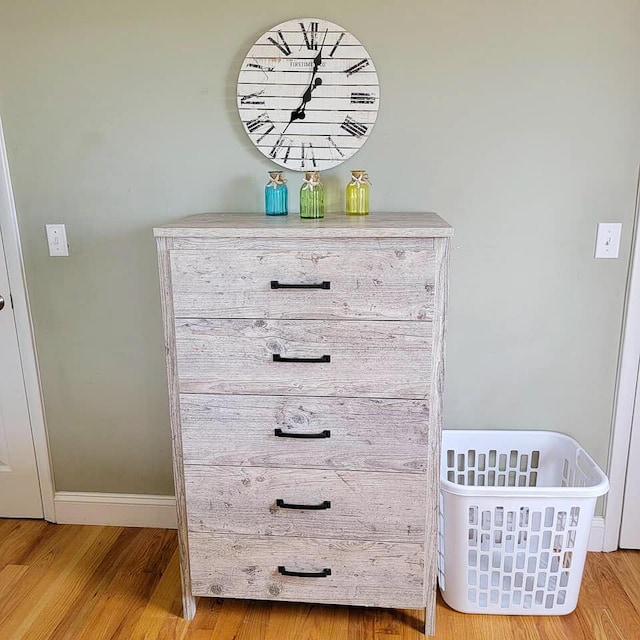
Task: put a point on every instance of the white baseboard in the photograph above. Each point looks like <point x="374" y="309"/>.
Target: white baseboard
<point x="596" y="538"/>
<point x="116" y="509"/>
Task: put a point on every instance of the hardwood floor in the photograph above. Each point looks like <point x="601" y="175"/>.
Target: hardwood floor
<point x="64" y="582"/>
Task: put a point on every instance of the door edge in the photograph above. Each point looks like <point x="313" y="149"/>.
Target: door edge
<point x="26" y="338"/>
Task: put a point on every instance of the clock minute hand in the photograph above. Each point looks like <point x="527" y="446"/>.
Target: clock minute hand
<point x="315" y="82"/>
<point x="306" y="96"/>
<point x="318" y="59"/>
<point x="298" y="113"/>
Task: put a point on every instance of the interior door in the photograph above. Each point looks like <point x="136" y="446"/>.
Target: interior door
<point x="630" y="530"/>
<point x="19" y="485"/>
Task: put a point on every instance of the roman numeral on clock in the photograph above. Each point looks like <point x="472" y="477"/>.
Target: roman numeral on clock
<point x="362" y="98"/>
<point x="333" y="145"/>
<point x="336" y="45"/>
<point x="306" y="154"/>
<point x="354" y="127"/>
<point x="281" y="143"/>
<point x="282" y="45"/>
<point x="311" y="36"/>
<point x="256" y="124"/>
<point x="254" y="98"/>
<point x="358" y="66"/>
<point x="260" y="67"/>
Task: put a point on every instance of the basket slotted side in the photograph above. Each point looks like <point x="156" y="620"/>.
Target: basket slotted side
<point x="516" y="512"/>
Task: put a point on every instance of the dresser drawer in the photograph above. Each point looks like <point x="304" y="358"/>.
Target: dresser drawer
<point x="375" y="359"/>
<point x="340" y="504"/>
<point x="388" y="283"/>
<point x="368" y="434"/>
<point x="377" y="574"/>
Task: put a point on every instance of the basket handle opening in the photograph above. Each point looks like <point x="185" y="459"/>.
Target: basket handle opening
<point x="586" y="468"/>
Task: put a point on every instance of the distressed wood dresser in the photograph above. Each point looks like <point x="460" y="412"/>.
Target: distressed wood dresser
<point x="305" y="368"/>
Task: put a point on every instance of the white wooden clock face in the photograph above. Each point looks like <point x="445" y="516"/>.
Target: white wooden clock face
<point x="308" y="94"/>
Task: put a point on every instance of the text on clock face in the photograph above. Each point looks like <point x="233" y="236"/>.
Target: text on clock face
<point x="308" y="94"/>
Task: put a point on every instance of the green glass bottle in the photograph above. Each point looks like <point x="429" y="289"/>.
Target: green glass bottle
<point x="312" y="196"/>
<point x="358" y="194"/>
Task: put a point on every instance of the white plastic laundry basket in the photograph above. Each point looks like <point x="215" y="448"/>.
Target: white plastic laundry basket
<point x="515" y="515"/>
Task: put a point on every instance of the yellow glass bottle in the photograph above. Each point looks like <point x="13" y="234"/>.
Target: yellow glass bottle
<point x="358" y="194"/>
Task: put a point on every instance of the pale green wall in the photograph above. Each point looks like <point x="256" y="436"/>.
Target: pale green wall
<point x="518" y="121"/>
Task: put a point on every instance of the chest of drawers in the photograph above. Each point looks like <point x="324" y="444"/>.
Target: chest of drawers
<point x="305" y="365"/>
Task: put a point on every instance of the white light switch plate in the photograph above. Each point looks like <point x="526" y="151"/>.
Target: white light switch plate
<point x="608" y="239"/>
<point x="57" y="240"/>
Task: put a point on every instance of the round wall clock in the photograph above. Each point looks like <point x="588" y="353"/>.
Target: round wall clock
<point x="308" y="94"/>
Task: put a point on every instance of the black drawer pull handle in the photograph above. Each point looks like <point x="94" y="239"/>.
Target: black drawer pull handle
<point x="312" y="507"/>
<point x="278" y="358"/>
<point x="286" y="434"/>
<point x="305" y="574"/>
<point x="326" y="284"/>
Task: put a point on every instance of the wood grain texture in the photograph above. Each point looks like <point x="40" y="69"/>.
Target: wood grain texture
<point x="374" y="359"/>
<point x="302" y="243"/>
<point x="41" y="579"/>
<point x="616" y="619"/>
<point x="364" y="505"/>
<point x="70" y="579"/>
<point x="164" y="268"/>
<point x="382" y="324"/>
<point x="146" y="605"/>
<point x="627" y="565"/>
<point x="366" y="434"/>
<point x="442" y="248"/>
<point x="17" y="539"/>
<point x="256" y="225"/>
<point x="382" y="284"/>
<point x="362" y="573"/>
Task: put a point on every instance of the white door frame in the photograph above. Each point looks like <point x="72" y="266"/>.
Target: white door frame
<point x="625" y="417"/>
<point x="26" y="341"/>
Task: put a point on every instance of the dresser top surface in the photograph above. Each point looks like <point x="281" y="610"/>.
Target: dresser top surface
<point x="258" y="225"/>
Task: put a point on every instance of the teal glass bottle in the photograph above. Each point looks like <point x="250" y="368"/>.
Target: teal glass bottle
<point x="312" y="196"/>
<point x="276" y="195"/>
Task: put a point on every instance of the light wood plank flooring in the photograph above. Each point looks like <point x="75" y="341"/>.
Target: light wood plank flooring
<point x="99" y="583"/>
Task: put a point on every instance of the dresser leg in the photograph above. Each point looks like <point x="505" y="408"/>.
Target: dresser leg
<point x="429" y="624"/>
<point x="188" y="606"/>
<point x="430" y="614"/>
